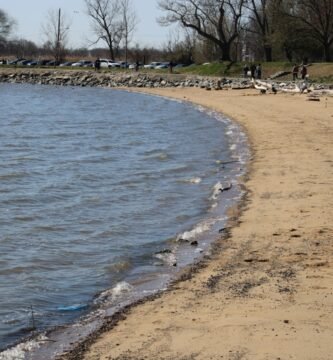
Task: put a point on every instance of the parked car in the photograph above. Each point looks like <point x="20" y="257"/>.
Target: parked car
<point x="105" y="63"/>
<point x="124" y="64"/>
<point x="23" y="62"/>
<point x="44" y="62"/>
<point x="32" y="63"/>
<point x="152" y="65"/>
<point x="133" y="66"/>
<point x="53" y="63"/>
<point x="163" y="65"/>
<point x="16" y="61"/>
<point x="178" y="66"/>
<point x="114" y="64"/>
<point x="67" y="63"/>
<point x="83" y="63"/>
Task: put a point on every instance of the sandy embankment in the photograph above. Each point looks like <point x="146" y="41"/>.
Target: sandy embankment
<point x="268" y="292"/>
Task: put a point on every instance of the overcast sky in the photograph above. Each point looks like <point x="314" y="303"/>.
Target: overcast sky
<point x="31" y="14"/>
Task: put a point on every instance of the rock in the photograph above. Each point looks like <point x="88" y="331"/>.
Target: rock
<point x="194" y="243"/>
<point x="109" y="79"/>
<point x="226" y="187"/>
<point x="165" y="251"/>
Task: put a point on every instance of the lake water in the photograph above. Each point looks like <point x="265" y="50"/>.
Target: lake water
<point x="93" y="184"/>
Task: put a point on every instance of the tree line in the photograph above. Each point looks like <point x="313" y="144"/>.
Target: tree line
<point x="208" y="30"/>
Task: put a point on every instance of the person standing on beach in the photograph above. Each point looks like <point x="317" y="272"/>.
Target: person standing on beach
<point x="258" y="71"/>
<point x="295" y="72"/>
<point x="253" y="71"/>
<point x="304" y="72"/>
<point x="245" y="70"/>
<point x="170" y="67"/>
<point x="97" y="64"/>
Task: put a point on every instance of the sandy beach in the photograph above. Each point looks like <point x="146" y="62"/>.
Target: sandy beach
<point x="267" y="290"/>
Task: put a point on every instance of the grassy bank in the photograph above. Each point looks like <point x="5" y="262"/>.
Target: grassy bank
<point x="318" y="72"/>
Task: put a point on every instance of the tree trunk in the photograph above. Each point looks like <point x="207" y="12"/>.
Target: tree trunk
<point x="268" y="53"/>
<point x="327" y="52"/>
<point x="225" y="50"/>
<point x="111" y="52"/>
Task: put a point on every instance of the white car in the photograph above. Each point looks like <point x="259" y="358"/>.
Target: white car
<point x="134" y="66"/>
<point x="113" y="64"/>
<point x="152" y="65"/>
<point x="105" y="63"/>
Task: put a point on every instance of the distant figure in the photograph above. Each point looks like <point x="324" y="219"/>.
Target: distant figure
<point x="253" y="71"/>
<point x="97" y="64"/>
<point x="304" y="72"/>
<point x="295" y="72"/>
<point x="170" y="67"/>
<point x="258" y="71"/>
<point x="137" y="66"/>
<point x="245" y="70"/>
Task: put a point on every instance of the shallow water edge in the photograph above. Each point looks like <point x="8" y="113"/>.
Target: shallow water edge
<point x="63" y="339"/>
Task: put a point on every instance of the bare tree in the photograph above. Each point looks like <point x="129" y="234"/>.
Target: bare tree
<point x="6" y="24"/>
<point x="107" y="22"/>
<point x="317" y="18"/>
<point x="215" y="20"/>
<point x="56" y="30"/>
<point x="129" y="22"/>
<point x="261" y="22"/>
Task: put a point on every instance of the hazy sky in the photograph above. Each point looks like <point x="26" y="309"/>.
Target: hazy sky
<point x="31" y="14"/>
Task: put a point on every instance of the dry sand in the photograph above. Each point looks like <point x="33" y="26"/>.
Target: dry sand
<point x="267" y="293"/>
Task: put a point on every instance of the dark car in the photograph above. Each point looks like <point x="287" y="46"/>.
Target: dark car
<point x="24" y="62"/>
<point x="53" y="63"/>
<point x="32" y="63"/>
<point x="43" y="62"/>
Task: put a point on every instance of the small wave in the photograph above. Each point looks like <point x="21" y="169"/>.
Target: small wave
<point x="195" y="180"/>
<point x="14" y="175"/>
<point x="116" y="292"/>
<point x="48" y="228"/>
<point x="19" y="351"/>
<point x="167" y="256"/>
<point x="26" y="218"/>
<point x="216" y="190"/>
<point x="119" y="266"/>
<point x="153" y="152"/>
<point x="189" y="235"/>
<point x="161" y="156"/>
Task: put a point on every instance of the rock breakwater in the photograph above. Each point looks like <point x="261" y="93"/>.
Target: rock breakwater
<point x="106" y="79"/>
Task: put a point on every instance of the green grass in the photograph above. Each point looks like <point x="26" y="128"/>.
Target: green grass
<point x="319" y="72"/>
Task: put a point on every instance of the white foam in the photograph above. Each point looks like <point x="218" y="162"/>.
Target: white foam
<point x="195" y="180"/>
<point x="216" y="190"/>
<point x="19" y="352"/>
<point x="169" y="258"/>
<point x="188" y="235"/>
<point x="120" y="289"/>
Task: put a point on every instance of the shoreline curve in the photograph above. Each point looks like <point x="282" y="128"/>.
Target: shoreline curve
<point x="266" y="291"/>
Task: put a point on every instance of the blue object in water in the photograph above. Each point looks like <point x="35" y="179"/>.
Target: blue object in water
<point x="76" y="307"/>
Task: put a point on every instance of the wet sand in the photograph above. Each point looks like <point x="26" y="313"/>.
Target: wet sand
<point x="267" y="290"/>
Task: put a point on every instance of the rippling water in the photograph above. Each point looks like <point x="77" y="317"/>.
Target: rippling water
<point x="92" y="183"/>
